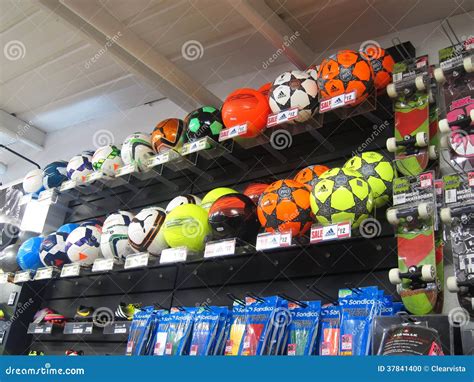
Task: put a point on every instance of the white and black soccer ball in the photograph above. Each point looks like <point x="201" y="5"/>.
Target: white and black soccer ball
<point x="80" y="166"/>
<point x="145" y="233"/>
<point x="182" y="199"/>
<point x="137" y="149"/>
<point x="83" y="245"/>
<point x="53" y="250"/>
<point x="107" y="160"/>
<point x="295" y="89"/>
<point x="114" y="239"/>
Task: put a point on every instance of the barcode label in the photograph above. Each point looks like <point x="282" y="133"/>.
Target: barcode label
<point x="450" y="196"/>
<point x="399" y="199"/>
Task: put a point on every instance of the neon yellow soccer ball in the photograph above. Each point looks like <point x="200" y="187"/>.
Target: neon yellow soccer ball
<point x="215" y="194"/>
<point x="377" y="171"/>
<point x="340" y="195"/>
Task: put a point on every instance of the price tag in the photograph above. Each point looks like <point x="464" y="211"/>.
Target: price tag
<point x="282" y="117"/>
<point x="4" y="278"/>
<point x="102" y="265"/>
<point x="137" y="260"/>
<point x="25" y="199"/>
<point x="174" y="255"/>
<point x="220" y="248"/>
<point x="22" y="277"/>
<point x="68" y="185"/>
<point x="35" y="328"/>
<point x="192" y="147"/>
<point x="125" y="170"/>
<point x="338" y="101"/>
<point x="46" y="195"/>
<point x="158" y="159"/>
<point x="78" y="328"/>
<point x="273" y="240"/>
<point x="71" y="270"/>
<point x="44" y="273"/>
<point x="399" y="199"/>
<point x="470" y="176"/>
<point x="97" y="175"/>
<point x="330" y="232"/>
<point x="232" y="132"/>
<point x="426" y="180"/>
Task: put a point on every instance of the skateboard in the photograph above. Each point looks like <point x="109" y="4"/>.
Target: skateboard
<point x="411" y="92"/>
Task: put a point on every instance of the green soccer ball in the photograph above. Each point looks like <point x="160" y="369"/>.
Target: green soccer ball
<point x="341" y="194"/>
<point x="377" y="171"/>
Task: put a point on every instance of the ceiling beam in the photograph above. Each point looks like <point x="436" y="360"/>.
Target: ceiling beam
<point x="188" y="94"/>
<point x="22" y="131"/>
<point x="276" y="31"/>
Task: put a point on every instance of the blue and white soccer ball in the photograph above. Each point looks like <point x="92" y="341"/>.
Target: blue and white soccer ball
<point x="54" y="174"/>
<point x="83" y="245"/>
<point x="33" y="181"/>
<point x="114" y="240"/>
<point x="53" y="250"/>
<point x="80" y="166"/>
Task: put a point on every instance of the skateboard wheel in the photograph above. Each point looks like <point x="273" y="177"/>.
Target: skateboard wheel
<point x="424" y="210"/>
<point x="394" y="276"/>
<point x="443" y="126"/>
<point x="419" y="83"/>
<point x="428" y="273"/>
<point x="444" y="142"/>
<point x="439" y="75"/>
<point x="391" y="145"/>
<point x="445" y="215"/>
<point x="432" y="152"/>
<point x="468" y="65"/>
<point x="471" y="115"/>
<point x="421" y="139"/>
<point x="452" y="284"/>
<point x="392" y="91"/>
<point x="392" y="217"/>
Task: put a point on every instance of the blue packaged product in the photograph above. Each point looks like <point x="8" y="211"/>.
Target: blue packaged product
<point x="140" y="331"/>
<point x="236" y="329"/>
<point x="329" y="330"/>
<point x="205" y="330"/>
<point x="303" y="328"/>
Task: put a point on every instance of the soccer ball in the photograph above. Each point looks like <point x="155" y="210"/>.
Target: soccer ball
<point x="256" y="188"/>
<point x="313" y="71"/>
<point x="67" y="228"/>
<point x="203" y="122"/>
<point x="310" y="175"/>
<point x="382" y="65"/>
<point x="83" y="245"/>
<point x="284" y="206"/>
<point x="53" y="250"/>
<point x="114" y="239"/>
<point x="344" y="72"/>
<point x="377" y="171"/>
<point x="180" y="200"/>
<point x="107" y="160"/>
<point x="54" y="174"/>
<point x="168" y="134"/>
<point x="8" y="261"/>
<point x="28" y="254"/>
<point x="137" y="149"/>
<point x="80" y="166"/>
<point x="214" y="194"/>
<point x="341" y="194"/>
<point x="33" y="181"/>
<point x="145" y="231"/>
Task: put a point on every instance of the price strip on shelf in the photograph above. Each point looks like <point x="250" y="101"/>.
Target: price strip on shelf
<point x="44" y="273"/>
<point x="174" y="255"/>
<point x="117" y="328"/>
<point x="192" y="147"/>
<point x="330" y="232"/>
<point x="97" y="175"/>
<point x="78" y="328"/>
<point x="273" y="240"/>
<point x="68" y="185"/>
<point x="282" y="117"/>
<point x="158" y="159"/>
<point x="22" y="277"/>
<point x="4" y="278"/>
<point x="46" y="195"/>
<point x="338" y="101"/>
<point x="137" y="260"/>
<point x="42" y="328"/>
<point x="125" y="170"/>
<point x="232" y="132"/>
<point x="102" y="265"/>
<point x="71" y="270"/>
<point x="220" y="248"/>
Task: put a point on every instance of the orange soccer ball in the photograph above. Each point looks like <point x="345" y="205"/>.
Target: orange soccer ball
<point x="310" y="175"/>
<point x="343" y="72"/>
<point x="168" y="134"/>
<point x="382" y="64"/>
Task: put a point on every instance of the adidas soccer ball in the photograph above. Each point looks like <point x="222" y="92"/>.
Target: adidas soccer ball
<point x="53" y="250"/>
<point x="54" y="174"/>
<point x="107" y="160"/>
<point x="310" y="175"/>
<point x="382" y="64"/>
<point x="203" y="122"/>
<point x="341" y="194"/>
<point x="114" y="239"/>
<point x="377" y="171"/>
<point x="33" y="181"/>
<point x="137" y="149"/>
<point x="345" y="72"/>
<point x="284" y="206"/>
<point x="313" y="71"/>
<point x="80" y="166"/>
<point x="83" y="245"/>
<point x="295" y="89"/>
<point x="145" y="233"/>
<point x="180" y="200"/>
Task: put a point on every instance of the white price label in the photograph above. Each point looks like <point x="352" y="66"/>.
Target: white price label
<point x="137" y="260"/>
<point x="120" y="330"/>
<point x="21" y="277"/>
<point x="94" y="176"/>
<point x="102" y="265"/>
<point x="282" y="117"/>
<point x="338" y="101"/>
<point x="68" y="185"/>
<point x="450" y="196"/>
<point x="232" y="132"/>
<point x="399" y="199"/>
<point x="71" y="270"/>
<point x="46" y="195"/>
<point x="273" y="240"/>
<point x="125" y="170"/>
<point x="192" y="147"/>
<point x="174" y="255"/>
<point x="330" y="232"/>
<point x="44" y="273"/>
<point x="158" y="159"/>
<point x="77" y="331"/>
<point x="220" y="248"/>
<point x="4" y="278"/>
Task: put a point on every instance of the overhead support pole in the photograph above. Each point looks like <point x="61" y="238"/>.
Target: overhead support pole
<point x="21" y="131"/>
<point x="101" y="28"/>
<point x="275" y="30"/>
